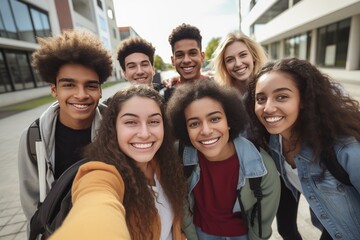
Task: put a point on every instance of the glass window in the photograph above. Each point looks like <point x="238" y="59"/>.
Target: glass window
<point x="20" y="70"/>
<point x="23" y="21"/>
<point x="298" y="46"/>
<point x="5" y="85"/>
<point x="332" y="44"/>
<point x="41" y="23"/>
<point x="275" y="50"/>
<point x="9" y="24"/>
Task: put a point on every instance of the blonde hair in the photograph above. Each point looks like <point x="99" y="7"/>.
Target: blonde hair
<point x="256" y="50"/>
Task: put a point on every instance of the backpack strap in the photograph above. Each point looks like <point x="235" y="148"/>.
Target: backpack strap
<point x="255" y="186"/>
<point x="33" y="136"/>
<point x="334" y="167"/>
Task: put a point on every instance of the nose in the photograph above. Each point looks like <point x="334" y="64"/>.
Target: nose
<point x="269" y="107"/>
<point x="206" y="129"/>
<point x="144" y="131"/>
<point x="238" y="61"/>
<point x="187" y="58"/>
<point x="139" y="70"/>
<point x="81" y="92"/>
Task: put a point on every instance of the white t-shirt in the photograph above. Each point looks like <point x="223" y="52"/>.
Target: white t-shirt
<point x="293" y="176"/>
<point x="164" y="209"/>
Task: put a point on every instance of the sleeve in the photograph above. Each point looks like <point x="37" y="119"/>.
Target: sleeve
<point x="187" y="225"/>
<point x="348" y="157"/>
<point x="270" y="185"/>
<point x="28" y="179"/>
<point x="97" y="212"/>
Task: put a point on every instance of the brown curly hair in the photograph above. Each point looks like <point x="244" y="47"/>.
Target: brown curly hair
<point x="75" y="47"/>
<point x="186" y="93"/>
<point x="141" y="213"/>
<point x="326" y="113"/>
<point x="135" y="45"/>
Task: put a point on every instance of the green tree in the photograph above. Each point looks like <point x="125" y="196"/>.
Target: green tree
<point x="159" y="63"/>
<point x="210" y="48"/>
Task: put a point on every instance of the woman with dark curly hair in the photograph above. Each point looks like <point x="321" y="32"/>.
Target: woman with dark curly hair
<point x="208" y="119"/>
<point x="313" y="132"/>
<point x="134" y="187"/>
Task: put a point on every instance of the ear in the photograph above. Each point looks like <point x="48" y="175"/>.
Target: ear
<point x="100" y="92"/>
<point x="53" y="90"/>
<point x="173" y="61"/>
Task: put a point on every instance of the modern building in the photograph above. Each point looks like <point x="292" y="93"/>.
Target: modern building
<point x="127" y="32"/>
<point x="22" y="21"/>
<point x="325" y="32"/>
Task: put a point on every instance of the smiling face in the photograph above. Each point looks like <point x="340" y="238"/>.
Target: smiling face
<point x="138" y="69"/>
<point x="140" y="130"/>
<point x="78" y="92"/>
<point x="187" y="59"/>
<point x="238" y="61"/>
<point x="277" y="103"/>
<point x="208" y="129"/>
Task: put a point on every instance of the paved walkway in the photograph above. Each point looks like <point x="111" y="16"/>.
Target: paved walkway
<point x="12" y="220"/>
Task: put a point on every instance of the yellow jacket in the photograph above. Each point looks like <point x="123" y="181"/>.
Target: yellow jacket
<point x="98" y="212"/>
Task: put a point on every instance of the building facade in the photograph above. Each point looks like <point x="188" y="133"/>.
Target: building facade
<point x="325" y="32"/>
<point x="21" y="22"/>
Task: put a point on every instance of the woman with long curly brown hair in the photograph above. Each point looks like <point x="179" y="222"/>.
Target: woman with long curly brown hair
<point x="313" y="132"/>
<point x="134" y="186"/>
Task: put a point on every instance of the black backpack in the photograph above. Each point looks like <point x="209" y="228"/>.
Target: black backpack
<point x="57" y="204"/>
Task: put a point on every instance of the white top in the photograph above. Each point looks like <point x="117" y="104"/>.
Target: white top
<point x="293" y="176"/>
<point x="164" y="209"/>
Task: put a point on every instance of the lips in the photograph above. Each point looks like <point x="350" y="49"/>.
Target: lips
<point x="210" y="141"/>
<point x="188" y="69"/>
<point x="273" y="119"/>
<point x="142" y="145"/>
<point x="81" y="106"/>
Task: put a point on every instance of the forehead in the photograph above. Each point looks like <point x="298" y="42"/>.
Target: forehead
<point x="235" y="47"/>
<point x="77" y="72"/>
<point x="274" y="80"/>
<point x="186" y="45"/>
<point x="136" y="58"/>
<point x="203" y="106"/>
<point x="140" y="105"/>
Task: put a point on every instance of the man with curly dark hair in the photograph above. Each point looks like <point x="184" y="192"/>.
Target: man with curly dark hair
<point x="187" y="56"/>
<point x="75" y="64"/>
<point x="136" y="58"/>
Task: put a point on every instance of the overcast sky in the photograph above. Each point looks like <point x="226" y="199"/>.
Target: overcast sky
<point x="155" y="19"/>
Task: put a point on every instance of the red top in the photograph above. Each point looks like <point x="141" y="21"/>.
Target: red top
<point x="215" y="196"/>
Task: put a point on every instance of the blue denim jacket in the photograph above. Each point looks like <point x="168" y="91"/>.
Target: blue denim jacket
<point x="336" y="205"/>
<point x="252" y="164"/>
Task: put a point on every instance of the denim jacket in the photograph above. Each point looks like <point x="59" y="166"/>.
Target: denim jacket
<point x="252" y="164"/>
<point x="336" y="205"/>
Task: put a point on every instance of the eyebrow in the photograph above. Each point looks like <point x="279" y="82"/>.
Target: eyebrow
<point x="134" y="115"/>
<point x="277" y="90"/>
<point x="207" y="115"/>
<point x="135" y="63"/>
<point x="73" y="80"/>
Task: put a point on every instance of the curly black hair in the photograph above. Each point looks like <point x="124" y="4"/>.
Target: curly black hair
<point x="185" y="31"/>
<point x="186" y="93"/>
<point x="326" y="113"/>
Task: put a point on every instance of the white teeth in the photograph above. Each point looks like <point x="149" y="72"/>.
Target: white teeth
<point x="82" y="106"/>
<point x="142" y="145"/>
<point x="188" y="68"/>
<point x="273" y="119"/>
<point x="208" y="142"/>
